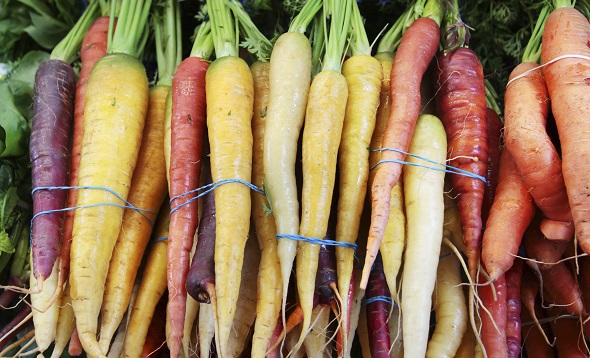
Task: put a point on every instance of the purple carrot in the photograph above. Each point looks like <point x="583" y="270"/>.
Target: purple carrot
<point x="200" y="281"/>
<point x="53" y="106"/>
<point x="378" y="311"/>
<point x="21" y="318"/>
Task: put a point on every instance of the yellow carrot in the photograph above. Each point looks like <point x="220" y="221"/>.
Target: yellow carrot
<point x="114" y="116"/>
<point x="45" y="318"/>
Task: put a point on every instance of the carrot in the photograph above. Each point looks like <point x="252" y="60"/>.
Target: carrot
<point x="289" y="79"/>
<point x="230" y="90"/>
<point x="269" y="284"/>
<point x="156" y="333"/>
<point x="566" y="33"/>
<point x="151" y="288"/>
<point x="317" y="343"/>
<point x="363" y="74"/>
<point x="461" y="105"/>
<point x="355" y="310"/>
<point x="416" y="49"/>
<point x="45" y="315"/>
<point x="513" y="203"/>
<point x="493" y="322"/>
<point x="188" y="113"/>
<point x="423" y="192"/>
<point x="53" y="109"/>
<point x="513" y="323"/>
<point x="562" y="288"/>
<point x="94" y="46"/>
<point x="363" y="333"/>
<point x="495" y="127"/>
<point x="206" y="329"/>
<point x="107" y="161"/>
<point x="534" y="341"/>
<point x="449" y="306"/>
<point x="148" y="184"/>
<point x="15" y="326"/>
<point x="394" y="324"/>
<point x="526" y="107"/>
<point x="65" y="323"/>
<point x="569" y="340"/>
<point x="75" y="347"/>
<point x="378" y="305"/>
<point x="468" y="343"/>
<point x="545" y="252"/>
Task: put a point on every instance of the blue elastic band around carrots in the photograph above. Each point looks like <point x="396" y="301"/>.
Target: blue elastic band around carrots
<point x="386" y="299"/>
<point x="317" y="241"/>
<point x="445" y="167"/>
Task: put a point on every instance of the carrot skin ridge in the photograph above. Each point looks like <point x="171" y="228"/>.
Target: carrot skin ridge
<point x="566" y="32"/>
<point x="415" y="52"/>
<point x="512" y="203"/>
<point x="513" y="323"/>
<point x="525" y="112"/>
<point x="186" y="152"/>
<point x="94" y="47"/>
<point x="461" y="105"/>
<point x="562" y="288"/>
<point x="53" y="106"/>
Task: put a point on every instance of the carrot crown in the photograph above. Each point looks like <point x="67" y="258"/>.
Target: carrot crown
<point x="456" y="31"/>
<point x="563" y="3"/>
<point x="256" y="43"/>
<point x="433" y="10"/>
<point x="359" y="42"/>
<point x="339" y="13"/>
<point x="203" y="42"/>
<point x="168" y="40"/>
<point x="131" y="35"/>
<point x="305" y="16"/>
<point x="532" y="51"/>
<point x="223" y="29"/>
<point x="67" y="49"/>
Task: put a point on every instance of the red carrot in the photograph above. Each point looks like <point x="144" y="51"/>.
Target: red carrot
<point x="568" y="338"/>
<point x="535" y="344"/>
<point x="188" y="135"/>
<point x="461" y="106"/>
<point x="539" y="248"/>
<point x="378" y="311"/>
<point x="495" y="127"/>
<point x="75" y="346"/>
<point x="513" y="324"/>
<point x="415" y="52"/>
<point x="156" y="335"/>
<point x="562" y="288"/>
<point x="512" y="204"/>
<point x="493" y="324"/>
<point x="566" y="34"/>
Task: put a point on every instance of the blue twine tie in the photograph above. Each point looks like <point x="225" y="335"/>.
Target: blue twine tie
<point x="316" y="241"/>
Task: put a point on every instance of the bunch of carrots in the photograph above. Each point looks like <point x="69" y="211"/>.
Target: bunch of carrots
<point x="314" y="194"/>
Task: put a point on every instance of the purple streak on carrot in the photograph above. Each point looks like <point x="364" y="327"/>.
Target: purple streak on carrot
<point x="378" y="311"/>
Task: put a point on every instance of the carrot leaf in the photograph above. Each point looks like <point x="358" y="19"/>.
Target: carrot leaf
<point x="532" y="51"/>
<point x="67" y="49"/>
<point x="167" y="32"/>
<point x="305" y="16"/>
<point x="359" y="42"/>
<point x="130" y="35"/>
<point x="338" y="13"/>
<point x="255" y="42"/>
<point x="203" y="41"/>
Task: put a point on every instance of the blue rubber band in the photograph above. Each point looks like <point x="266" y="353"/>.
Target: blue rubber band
<point x="445" y="255"/>
<point x="161" y="238"/>
<point x="449" y="168"/>
<point x="207" y="189"/>
<point x="313" y="240"/>
<point x="386" y="299"/>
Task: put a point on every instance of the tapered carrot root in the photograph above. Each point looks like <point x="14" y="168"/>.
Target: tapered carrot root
<point x="53" y="106"/>
<point x="378" y="311"/>
<point x="416" y="50"/>
<point x="512" y="203"/>
<point x="569" y="340"/>
<point x="321" y="137"/>
<point x="109" y="108"/>
<point x="495" y="144"/>
<point x="513" y="323"/>
<point x="562" y="288"/>
<point x="461" y="105"/>
<point x="148" y="189"/>
<point x="493" y="322"/>
<point x="533" y="338"/>
<point x="363" y="75"/>
<point x="45" y="316"/>
<point x="545" y="252"/>
<point x="566" y="33"/>
<point x="186" y="151"/>
<point x="269" y="283"/>
<point x="94" y="47"/>
<point x="230" y="91"/>
<point x="526" y="107"/>
<point x="65" y="323"/>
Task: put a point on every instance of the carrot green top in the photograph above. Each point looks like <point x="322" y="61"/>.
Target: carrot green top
<point x="317" y="38"/>
<point x="532" y="51"/>
<point x="223" y="29"/>
<point x="255" y="41"/>
<point x="434" y="10"/>
<point x="203" y="42"/>
<point x="168" y="40"/>
<point x="456" y="33"/>
<point x="562" y="3"/>
<point x="67" y="49"/>
<point x="305" y="16"/>
<point x="338" y="12"/>
<point x="131" y="35"/>
<point x="359" y="42"/>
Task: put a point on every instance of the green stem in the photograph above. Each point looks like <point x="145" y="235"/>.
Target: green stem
<point x="532" y="51"/>
<point x="339" y="13"/>
<point x="67" y="49"/>
<point x="223" y="29"/>
<point x="393" y="36"/>
<point x="256" y="43"/>
<point x="304" y="18"/>
<point x="165" y="28"/>
<point x="456" y="32"/>
<point x="203" y="43"/>
<point x="317" y="38"/>
<point x="359" y="42"/>
<point x="434" y="10"/>
<point x="130" y="34"/>
<point x="563" y="3"/>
